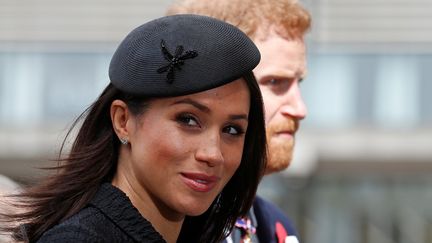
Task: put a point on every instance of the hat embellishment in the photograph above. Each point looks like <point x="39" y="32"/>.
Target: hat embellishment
<point x="175" y="61"/>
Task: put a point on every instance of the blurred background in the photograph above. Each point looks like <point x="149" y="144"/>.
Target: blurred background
<point x="363" y="161"/>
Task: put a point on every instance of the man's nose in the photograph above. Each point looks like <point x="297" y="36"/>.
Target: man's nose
<point x="293" y="104"/>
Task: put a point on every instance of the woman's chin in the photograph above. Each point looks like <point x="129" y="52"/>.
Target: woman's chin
<point x="196" y="209"/>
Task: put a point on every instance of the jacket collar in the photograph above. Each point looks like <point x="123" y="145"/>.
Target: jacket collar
<point x="116" y="205"/>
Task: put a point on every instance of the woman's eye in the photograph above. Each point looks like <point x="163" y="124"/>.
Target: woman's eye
<point x="232" y="130"/>
<point x="187" y="119"/>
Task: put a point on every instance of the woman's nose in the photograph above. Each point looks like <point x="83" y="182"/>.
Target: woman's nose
<point x="210" y="152"/>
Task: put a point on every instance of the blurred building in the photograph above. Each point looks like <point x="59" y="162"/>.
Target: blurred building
<point x="363" y="165"/>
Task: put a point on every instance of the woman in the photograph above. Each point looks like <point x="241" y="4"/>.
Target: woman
<point x="172" y="150"/>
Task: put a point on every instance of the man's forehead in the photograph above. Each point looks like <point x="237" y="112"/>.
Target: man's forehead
<point x="280" y="73"/>
<point x="281" y="58"/>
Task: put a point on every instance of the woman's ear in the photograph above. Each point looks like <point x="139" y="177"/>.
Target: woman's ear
<point x="119" y="117"/>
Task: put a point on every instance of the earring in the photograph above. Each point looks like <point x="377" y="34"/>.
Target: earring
<point x="124" y="141"/>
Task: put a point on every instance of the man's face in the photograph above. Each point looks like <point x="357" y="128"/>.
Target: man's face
<point x="282" y="67"/>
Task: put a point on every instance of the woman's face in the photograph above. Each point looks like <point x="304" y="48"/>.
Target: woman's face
<point x="183" y="150"/>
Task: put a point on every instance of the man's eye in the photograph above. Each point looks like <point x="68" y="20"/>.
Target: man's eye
<point x="278" y="83"/>
<point x="187" y="119"/>
<point x="274" y="81"/>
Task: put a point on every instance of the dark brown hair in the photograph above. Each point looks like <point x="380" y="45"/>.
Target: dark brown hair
<point x="92" y="160"/>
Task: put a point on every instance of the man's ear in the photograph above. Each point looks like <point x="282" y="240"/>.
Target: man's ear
<point x="119" y="117"/>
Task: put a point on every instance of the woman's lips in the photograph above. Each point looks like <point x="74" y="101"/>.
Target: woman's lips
<point x="200" y="182"/>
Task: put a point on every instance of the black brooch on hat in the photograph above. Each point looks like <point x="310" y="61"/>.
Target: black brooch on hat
<point x="176" y="61"/>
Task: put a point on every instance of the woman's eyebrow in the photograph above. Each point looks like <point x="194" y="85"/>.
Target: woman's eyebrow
<point x="205" y="109"/>
<point x="193" y="103"/>
<point x="239" y="117"/>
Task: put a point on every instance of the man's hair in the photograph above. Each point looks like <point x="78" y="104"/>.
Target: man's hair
<point x="288" y="16"/>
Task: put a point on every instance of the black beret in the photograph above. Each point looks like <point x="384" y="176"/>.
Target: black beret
<point x="181" y="54"/>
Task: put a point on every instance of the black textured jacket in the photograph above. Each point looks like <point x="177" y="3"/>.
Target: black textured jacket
<point x="109" y="217"/>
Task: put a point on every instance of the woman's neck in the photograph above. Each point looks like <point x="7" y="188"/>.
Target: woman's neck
<point x="159" y="215"/>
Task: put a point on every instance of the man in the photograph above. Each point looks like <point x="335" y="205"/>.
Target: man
<point x="277" y="27"/>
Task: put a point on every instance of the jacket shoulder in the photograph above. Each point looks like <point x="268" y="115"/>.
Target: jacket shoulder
<point x="268" y="214"/>
<point x="88" y="225"/>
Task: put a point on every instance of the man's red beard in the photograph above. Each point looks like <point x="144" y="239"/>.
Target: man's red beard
<point x="280" y="149"/>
